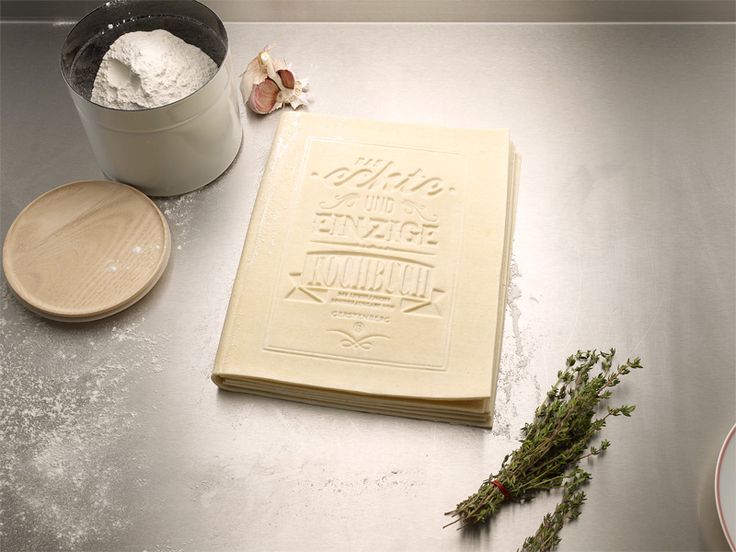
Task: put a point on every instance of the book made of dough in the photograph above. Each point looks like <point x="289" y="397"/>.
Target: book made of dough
<point x="375" y="265"/>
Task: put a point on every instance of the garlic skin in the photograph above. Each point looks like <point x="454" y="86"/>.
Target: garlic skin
<point x="268" y="84"/>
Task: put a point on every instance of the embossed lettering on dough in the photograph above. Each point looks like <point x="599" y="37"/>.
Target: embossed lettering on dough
<point x="364" y="228"/>
<point x="380" y="175"/>
<point x="373" y="254"/>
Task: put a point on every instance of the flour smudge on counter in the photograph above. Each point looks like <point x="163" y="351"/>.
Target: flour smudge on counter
<point x="178" y="211"/>
<point x="518" y="390"/>
<point x="61" y="416"/>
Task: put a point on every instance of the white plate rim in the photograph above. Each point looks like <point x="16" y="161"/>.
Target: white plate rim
<point x="719" y="463"/>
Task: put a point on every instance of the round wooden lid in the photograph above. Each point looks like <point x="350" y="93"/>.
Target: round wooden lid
<point x="86" y="250"/>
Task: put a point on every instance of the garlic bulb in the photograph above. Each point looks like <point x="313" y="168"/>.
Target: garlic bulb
<point x="268" y="84"/>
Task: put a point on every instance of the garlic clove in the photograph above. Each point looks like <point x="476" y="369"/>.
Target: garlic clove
<point x="263" y="97"/>
<point x="287" y="78"/>
<point x="253" y="75"/>
<point x="268" y="84"/>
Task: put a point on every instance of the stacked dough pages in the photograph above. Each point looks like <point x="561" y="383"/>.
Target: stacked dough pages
<point x="374" y="272"/>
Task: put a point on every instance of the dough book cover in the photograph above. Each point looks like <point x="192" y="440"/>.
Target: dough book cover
<point x="371" y="255"/>
<point x="374" y="266"/>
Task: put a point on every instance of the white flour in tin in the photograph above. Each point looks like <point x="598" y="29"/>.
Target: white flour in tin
<point x="145" y="69"/>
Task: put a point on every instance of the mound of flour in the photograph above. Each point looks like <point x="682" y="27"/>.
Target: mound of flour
<point x="145" y="69"/>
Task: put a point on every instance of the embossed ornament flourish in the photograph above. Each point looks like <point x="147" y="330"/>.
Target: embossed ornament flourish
<point x="365" y="343"/>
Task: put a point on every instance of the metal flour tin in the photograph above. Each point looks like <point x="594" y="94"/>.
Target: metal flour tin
<point x="167" y="150"/>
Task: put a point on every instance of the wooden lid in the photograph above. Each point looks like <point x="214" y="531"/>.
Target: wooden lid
<point x="86" y="250"/>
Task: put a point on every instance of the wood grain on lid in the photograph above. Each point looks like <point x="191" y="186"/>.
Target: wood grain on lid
<point x="86" y="250"/>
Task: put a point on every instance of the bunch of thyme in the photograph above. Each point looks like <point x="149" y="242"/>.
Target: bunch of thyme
<point x="553" y="445"/>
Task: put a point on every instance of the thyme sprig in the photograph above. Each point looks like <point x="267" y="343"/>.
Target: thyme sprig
<point x="553" y="444"/>
<point x="547" y="536"/>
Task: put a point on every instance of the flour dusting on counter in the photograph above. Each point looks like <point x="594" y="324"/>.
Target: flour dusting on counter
<point x="178" y="212"/>
<point x="518" y="390"/>
<point x="61" y="417"/>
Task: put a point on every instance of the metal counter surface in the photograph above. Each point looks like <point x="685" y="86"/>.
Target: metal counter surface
<point x="114" y="438"/>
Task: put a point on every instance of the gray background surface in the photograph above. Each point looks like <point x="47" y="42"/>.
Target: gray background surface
<point x="416" y="10"/>
<point x="115" y="439"/>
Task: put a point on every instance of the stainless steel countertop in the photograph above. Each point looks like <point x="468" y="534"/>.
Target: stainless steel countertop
<point x="114" y="438"/>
